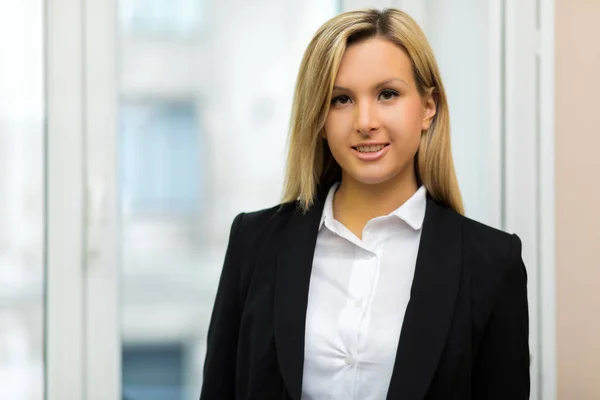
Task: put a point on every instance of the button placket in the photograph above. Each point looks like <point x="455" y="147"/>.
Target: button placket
<point x="353" y="314"/>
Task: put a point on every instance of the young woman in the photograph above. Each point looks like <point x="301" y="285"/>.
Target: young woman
<point x="367" y="282"/>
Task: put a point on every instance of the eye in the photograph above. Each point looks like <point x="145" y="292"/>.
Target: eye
<point x="341" y="100"/>
<point x="388" y="94"/>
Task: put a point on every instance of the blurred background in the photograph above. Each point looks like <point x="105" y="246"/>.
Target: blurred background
<point x="132" y="132"/>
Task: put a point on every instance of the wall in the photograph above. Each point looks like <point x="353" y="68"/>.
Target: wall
<point x="578" y="198"/>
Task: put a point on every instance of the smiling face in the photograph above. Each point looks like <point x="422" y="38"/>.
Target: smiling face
<point x="377" y="114"/>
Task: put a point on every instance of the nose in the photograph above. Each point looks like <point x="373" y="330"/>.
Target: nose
<point x="366" y="120"/>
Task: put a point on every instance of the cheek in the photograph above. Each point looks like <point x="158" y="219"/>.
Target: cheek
<point x="336" y="127"/>
<point x="404" y="122"/>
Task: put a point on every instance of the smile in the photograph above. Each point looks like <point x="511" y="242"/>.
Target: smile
<point x="370" y="152"/>
<point x="370" y="149"/>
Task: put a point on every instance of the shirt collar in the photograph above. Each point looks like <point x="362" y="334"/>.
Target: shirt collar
<point x="412" y="211"/>
<point x="327" y="216"/>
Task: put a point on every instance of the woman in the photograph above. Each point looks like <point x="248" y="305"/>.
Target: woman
<point x="367" y="282"/>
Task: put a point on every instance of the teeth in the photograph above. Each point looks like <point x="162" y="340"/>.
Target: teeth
<point x="370" y="149"/>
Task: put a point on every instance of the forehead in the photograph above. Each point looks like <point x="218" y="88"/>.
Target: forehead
<point x="374" y="59"/>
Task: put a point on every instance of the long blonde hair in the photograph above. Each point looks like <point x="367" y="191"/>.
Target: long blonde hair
<point x="310" y="164"/>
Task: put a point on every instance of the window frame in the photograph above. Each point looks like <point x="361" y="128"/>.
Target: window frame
<point x="82" y="298"/>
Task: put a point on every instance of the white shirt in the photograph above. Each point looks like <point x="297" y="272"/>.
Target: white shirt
<point x="359" y="290"/>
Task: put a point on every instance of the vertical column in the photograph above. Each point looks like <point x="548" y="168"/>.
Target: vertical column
<point x="547" y="194"/>
<point x="496" y="122"/>
<point x="65" y="166"/>
<point x="521" y="157"/>
<point x="102" y="334"/>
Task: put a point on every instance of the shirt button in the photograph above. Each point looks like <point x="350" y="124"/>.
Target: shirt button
<point x="348" y="360"/>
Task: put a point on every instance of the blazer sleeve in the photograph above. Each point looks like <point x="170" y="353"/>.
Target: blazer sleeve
<point x="222" y="339"/>
<point x="501" y="368"/>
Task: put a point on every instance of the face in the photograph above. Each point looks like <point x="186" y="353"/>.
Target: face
<point x="377" y="115"/>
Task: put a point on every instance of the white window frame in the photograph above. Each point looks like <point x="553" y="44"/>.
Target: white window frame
<point x="101" y="96"/>
<point x="82" y="299"/>
<point x="83" y="354"/>
<point x="521" y="153"/>
<point x="64" y="202"/>
<point x="529" y="171"/>
<point x="546" y="198"/>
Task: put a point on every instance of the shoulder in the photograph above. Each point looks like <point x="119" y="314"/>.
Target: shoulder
<point x="494" y="255"/>
<point x="251" y="229"/>
<point x="493" y="269"/>
<point x="485" y="238"/>
<point x="249" y="237"/>
<point x="261" y="220"/>
<point x="488" y="253"/>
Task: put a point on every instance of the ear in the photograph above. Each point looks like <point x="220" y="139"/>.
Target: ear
<point x="323" y="134"/>
<point x="429" y="109"/>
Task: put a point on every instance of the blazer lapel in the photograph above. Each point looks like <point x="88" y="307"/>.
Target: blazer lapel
<point x="430" y="309"/>
<point x="292" y="280"/>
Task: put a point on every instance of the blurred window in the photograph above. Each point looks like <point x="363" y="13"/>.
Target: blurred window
<point x="153" y="372"/>
<point x="167" y="18"/>
<point x="159" y="146"/>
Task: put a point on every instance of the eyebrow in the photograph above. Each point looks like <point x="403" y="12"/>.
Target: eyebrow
<point x="379" y="85"/>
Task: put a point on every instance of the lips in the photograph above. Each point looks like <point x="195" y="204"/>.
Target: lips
<point x="373" y="148"/>
<point x="370" y="152"/>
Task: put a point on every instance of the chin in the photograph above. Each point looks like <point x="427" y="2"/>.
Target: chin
<point x="373" y="179"/>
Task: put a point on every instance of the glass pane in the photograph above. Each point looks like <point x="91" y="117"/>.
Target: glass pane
<point x="459" y="32"/>
<point x="177" y="18"/>
<point x="203" y="124"/>
<point x="22" y="200"/>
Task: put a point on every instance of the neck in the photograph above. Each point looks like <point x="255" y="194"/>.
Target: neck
<point x="356" y="203"/>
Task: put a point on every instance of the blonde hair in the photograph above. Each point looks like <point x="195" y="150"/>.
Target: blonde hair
<point x="310" y="164"/>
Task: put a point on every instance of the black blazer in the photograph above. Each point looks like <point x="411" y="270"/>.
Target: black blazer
<point x="465" y="331"/>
